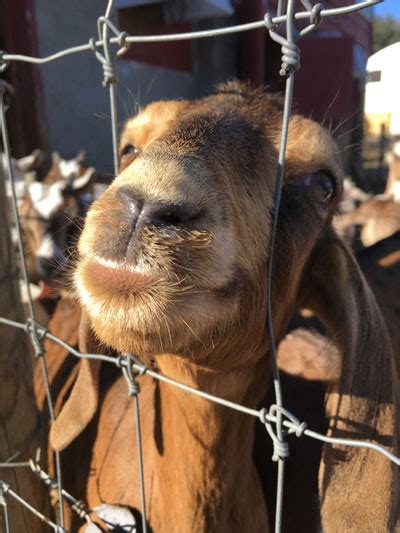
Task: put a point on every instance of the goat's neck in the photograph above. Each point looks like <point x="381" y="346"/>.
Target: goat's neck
<point x="206" y="451"/>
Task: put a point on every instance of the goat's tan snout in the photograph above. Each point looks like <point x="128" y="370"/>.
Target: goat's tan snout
<point x="167" y="243"/>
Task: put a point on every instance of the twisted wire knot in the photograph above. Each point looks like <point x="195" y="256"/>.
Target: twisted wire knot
<point x="290" y="51"/>
<point x="4" y="488"/>
<point x="281" y="447"/>
<point x="120" y="361"/>
<point x="47" y="480"/>
<point x="269" y="23"/>
<point x="133" y="387"/>
<point x="301" y="429"/>
<point x="37" y="333"/>
<point x="6" y="90"/>
<point x="77" y="505"/>
<point x="126" y="364"/>
<point x="93" y="44"/>
<point x="109" y="74"/>
<point x="316" y="17"/>
<point x="290" y="59"/>
<point x="140" y="368"/>
<point x="122" y="43"/>
<point x="104" y="25"/>
<point x="281" y="450"/>
<point x="80" y="509"/>
<point x="3" y="62"/>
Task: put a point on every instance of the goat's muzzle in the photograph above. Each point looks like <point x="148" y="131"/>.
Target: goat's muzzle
<point x="157" y="214"/>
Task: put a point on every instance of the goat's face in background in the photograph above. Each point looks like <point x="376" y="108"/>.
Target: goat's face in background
<point x="173" y="256"/>
<point x="50" y="215"/>
<point x="23" y="171"/>
<point x="65" y="168"/>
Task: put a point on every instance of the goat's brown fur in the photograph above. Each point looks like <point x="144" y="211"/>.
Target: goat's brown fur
<point x="380" y="264"/>
<point x="188" y="298"/>
<point x="307" y="353"/>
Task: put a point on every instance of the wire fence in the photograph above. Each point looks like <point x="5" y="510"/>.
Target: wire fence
<point x="278" y="421"/>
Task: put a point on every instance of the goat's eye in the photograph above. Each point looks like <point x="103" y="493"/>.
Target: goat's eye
<point x="129" y="149"/>
<point x="320" y="184"/>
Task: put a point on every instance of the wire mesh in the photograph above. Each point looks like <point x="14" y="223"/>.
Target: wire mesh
<point x="278" y="421"/>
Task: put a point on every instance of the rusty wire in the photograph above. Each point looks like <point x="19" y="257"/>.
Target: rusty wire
<point x="277" y="417"/>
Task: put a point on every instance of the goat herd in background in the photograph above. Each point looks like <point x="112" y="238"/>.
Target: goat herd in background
<point x="51" y="212"/>
<point x="170" y="266"/>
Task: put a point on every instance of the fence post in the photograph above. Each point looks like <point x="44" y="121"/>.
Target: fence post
<point x="18" y="415"/>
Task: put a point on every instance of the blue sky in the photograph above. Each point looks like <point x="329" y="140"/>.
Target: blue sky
<point x="389" y="7"/>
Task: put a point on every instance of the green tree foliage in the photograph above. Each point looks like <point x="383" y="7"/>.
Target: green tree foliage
<point x="385" y="31"/>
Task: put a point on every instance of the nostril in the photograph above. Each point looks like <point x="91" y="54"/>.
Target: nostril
<point x="168" y="218"/>
<point x="157" y="213"/>
<point x="167" y="214"/>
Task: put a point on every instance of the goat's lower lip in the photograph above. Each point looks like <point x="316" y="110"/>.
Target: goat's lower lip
<point x="119" y="277"/>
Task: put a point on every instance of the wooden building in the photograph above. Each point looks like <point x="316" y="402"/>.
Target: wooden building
<point x="55" y="105"/>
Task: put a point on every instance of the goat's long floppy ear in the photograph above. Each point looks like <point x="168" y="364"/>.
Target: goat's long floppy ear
<point x="358" y="487"/>
<point x="81" y="405"/>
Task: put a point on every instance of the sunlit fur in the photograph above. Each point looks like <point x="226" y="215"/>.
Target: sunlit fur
<point x="218" y="155"/>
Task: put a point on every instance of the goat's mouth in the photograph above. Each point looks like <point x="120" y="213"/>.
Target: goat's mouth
<point x="118" y="278"/>
<point x="145" y="312"/>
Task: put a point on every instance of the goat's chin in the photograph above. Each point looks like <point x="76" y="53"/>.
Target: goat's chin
<point x="154" y="316"/>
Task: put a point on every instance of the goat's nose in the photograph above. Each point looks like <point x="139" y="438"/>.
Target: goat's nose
<point x="131" y="199"/>
<point x="152" y="214"/>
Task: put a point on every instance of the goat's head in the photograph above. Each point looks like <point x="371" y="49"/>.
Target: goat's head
<point x="173" y="256"/>
<point x="50" y="213"/>
<point x="65" y="168"/>
<point x="173" y="260"/>
<point x="23" y="171"/>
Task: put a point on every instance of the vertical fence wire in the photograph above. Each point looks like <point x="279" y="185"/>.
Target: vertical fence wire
<point x="3" y="503"/>
<point x="281" y="451"/>
<point x="110" y="79"/>
<point x="111" y="86"/>
<point x="140" y="462"/>
<point x="14" y="204"/>
<point x="133" y="391"/>
<point x="35" y="338"/>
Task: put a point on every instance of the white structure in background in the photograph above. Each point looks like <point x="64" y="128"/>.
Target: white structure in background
<point x="382" y="93"/>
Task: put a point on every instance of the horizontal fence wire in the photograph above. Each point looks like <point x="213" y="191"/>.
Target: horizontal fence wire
<point x="141" y="369"/>
<point x="124" y="38"/>
<point x="279" y="422"/>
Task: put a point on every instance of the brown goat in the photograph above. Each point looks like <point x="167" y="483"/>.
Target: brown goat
<point x="172" y="267"/>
